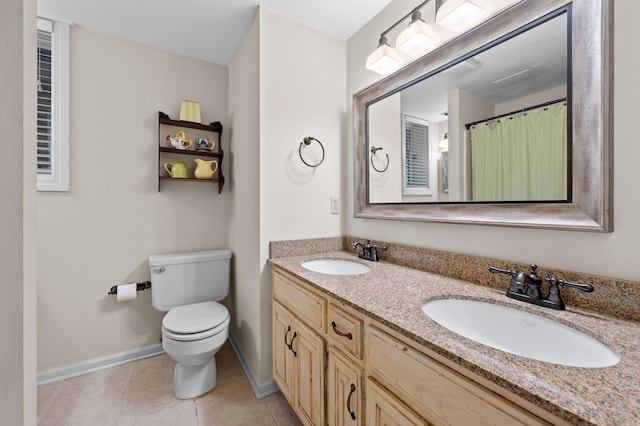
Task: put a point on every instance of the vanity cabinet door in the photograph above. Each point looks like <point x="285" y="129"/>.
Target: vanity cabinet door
<point x="298" y="365"/>
<point x="384" y="409"/>
<point x="308" y="351"/>
<point x="344" y="391"/>
<point x="282" y="367"/>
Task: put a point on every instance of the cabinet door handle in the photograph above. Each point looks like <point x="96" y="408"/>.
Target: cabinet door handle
<point x="340" y="333"/>
<point x="285" y="337"/>
<point x="353" y="414"/>
<point x="295" y="334"/>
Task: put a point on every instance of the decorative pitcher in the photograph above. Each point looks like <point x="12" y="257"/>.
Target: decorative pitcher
<point x="176" y="169"/>
<point x="205" y="169"/>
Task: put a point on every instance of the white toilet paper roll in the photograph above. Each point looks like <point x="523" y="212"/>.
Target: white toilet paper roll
<point x="126" y="292"/>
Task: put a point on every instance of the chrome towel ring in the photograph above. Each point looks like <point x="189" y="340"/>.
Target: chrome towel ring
<point x="373" y="152"/>
<point x="307" y="141"/>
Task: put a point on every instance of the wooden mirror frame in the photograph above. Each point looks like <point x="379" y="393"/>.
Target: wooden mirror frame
<point x="591" y="203"/>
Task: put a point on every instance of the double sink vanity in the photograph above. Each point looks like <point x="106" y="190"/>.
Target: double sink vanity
<point x="358" y="342"/>
<point x="426" y="337"/>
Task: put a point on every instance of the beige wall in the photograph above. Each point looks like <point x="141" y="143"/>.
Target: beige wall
<point x="302" y="86"/>
<point x="29" y="237"/>
<point x="613" y="254"/>
<point x="530" y="100"/>
<point x="244" y="223"/>
<point x="11" y="255"/>
<point x="386" y="127"/>
<point x="102" y="232"/>
<point x="287" y="82"/>
<point x="17" y="180"/>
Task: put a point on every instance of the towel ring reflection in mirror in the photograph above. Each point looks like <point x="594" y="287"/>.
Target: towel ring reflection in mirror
<point x="373" y="152"/>
<point x="307" y="141"/>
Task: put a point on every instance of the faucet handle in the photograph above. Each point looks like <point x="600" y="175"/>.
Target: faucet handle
<point x="554" y="295"/>
<point x="502" y="271"/>
<point x="584" y="287"/>
<point x="516" y="285"/>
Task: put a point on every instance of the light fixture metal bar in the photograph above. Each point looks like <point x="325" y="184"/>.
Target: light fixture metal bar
<point x="420" y="6"/>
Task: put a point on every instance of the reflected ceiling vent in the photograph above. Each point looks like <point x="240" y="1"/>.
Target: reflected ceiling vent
<point x="513" y="79"/>
<point x="462" y="69"/>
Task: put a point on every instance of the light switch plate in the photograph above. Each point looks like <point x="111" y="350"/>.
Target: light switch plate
<point x="335" y="205"/>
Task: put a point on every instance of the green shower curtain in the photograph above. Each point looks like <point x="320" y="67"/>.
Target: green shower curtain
<point x="521" y="157"/>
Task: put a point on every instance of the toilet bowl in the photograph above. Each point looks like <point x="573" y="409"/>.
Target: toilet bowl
<point x="189" y="338"/>
<point x="188" y="287"/>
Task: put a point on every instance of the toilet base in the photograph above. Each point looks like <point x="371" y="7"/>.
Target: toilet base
<point x="191" y="381"/>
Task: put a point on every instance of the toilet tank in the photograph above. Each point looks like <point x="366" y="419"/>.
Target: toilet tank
<point x="184" y="278"/>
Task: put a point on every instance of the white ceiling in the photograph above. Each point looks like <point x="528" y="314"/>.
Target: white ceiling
<point x="212" y="30"/>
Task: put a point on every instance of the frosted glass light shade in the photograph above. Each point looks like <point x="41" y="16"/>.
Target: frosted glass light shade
<point x="417" y="38"/>
<point x="444" y="143"/>
<point x="460" y="14"/>
<point x="384" y="59"/>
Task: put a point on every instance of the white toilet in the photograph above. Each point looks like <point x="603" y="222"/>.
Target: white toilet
<point x="189" y="286"/>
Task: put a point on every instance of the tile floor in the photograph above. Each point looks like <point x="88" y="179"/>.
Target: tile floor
<point x="140" y="393"/>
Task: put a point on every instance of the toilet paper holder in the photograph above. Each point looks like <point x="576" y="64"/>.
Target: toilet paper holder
<point x="139" y="286"/>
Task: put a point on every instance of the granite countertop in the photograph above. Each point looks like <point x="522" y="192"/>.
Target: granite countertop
<point x="394" y="295"/>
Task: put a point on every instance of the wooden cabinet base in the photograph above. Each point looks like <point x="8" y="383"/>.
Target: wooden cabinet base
<point x="373" y="375"/>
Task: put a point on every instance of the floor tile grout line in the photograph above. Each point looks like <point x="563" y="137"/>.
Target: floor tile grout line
<point x="46" y="409"/>
<point x="124" y="391"/>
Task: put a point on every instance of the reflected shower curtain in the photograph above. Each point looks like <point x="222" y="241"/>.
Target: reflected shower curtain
<point x="521" y="157"/>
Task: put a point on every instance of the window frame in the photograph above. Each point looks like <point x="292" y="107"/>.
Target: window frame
<point x="427" y="189"/>
<point x="58" y="179"/>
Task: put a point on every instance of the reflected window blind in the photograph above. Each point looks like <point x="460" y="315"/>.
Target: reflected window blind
<point x="45" y="97"/>
<point x="416" y="155"/>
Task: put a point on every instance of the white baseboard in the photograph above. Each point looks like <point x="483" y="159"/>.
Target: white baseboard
<point x="84" y="367"/>
<point x="260" y="389"/>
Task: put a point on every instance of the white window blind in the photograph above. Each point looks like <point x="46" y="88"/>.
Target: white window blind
<point x="52" y="106"/>
<point x="416" y="140"/>
<point x="44" y="136"/>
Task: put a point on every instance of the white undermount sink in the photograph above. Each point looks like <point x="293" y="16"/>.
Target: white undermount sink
<point x="521" y="333"/>
<point x="335" y="267"/>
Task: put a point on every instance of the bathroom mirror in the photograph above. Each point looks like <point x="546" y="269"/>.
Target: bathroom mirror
<point x="470" y="87"/>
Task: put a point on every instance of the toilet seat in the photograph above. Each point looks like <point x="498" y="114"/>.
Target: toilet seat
<point x="196" y="321"/>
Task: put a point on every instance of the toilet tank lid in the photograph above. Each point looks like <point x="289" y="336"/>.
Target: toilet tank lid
<point x="188" y="257"/>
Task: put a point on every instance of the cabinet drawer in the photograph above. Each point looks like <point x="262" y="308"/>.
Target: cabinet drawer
<point x="311" y="308"/>
<point x="344" y="331"/>
<point x="439" y="394"/>
<point x="383" y="409"/>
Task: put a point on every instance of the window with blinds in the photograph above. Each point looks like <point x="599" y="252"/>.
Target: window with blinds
<point x="52" y="106"/>
<point x="416" y="157"/>
<point x="45" y="92"/>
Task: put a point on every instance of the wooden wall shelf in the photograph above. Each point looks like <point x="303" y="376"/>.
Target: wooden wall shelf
<point x="167" y="153"/>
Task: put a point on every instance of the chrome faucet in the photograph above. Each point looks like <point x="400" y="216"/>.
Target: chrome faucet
<point x="368" y="251"/>
<point x="528" y="288"/>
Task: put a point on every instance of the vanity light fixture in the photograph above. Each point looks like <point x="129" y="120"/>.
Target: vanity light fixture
<point x="385" y="58"/>
<point x="460" y="14"/>
<point x="444" y="143"/>
<point x="419" y="37"/>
